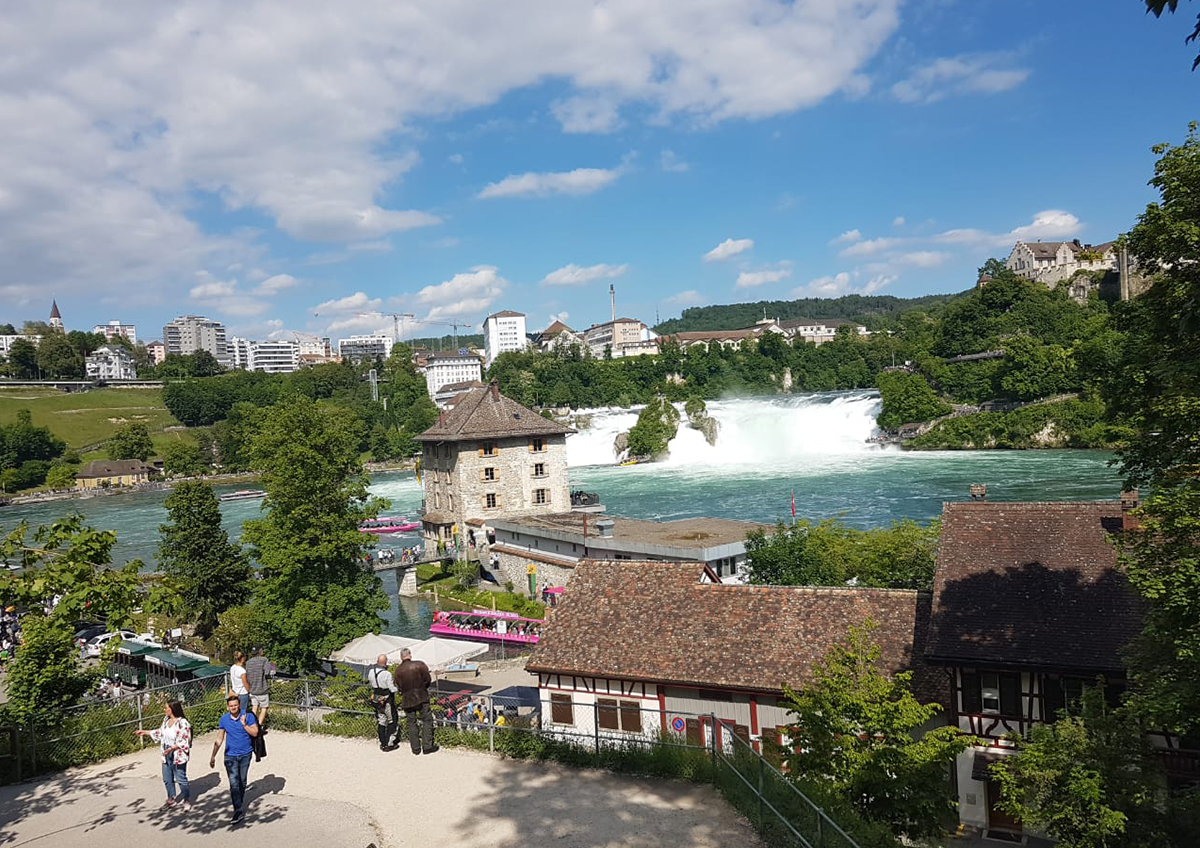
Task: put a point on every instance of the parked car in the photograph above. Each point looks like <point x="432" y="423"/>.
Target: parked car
<point x="85" y="630"/>
<point x="97" y="643"/>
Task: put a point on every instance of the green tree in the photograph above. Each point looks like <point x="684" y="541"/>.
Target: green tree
<point x="907" y="397"/>
<point x="856" y="730"/>
<point x="60" y="477"/>
<point x="58" y="359"/>
<point x="23" y="358"/>
<point x="1158" y="387"/>
<point x="72" y="561"/>
<point x="204" y="364"/>
<point x="317" y="591"/>
<point x="130" y="441"/>
<point x="1088" y="780"/>
<point x="657" y="424"/>
<point x="211" y="573"/>
<point x="802" y="554"/>
<point x="184" y="458"/>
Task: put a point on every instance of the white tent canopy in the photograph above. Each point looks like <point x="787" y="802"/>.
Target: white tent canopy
<point x="435" y="652"/>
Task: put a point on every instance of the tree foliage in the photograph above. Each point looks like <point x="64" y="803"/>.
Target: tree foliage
<point x="184" y="459"/>
<point x="1159" y="389"/>
<point x="656" y="425"/>
<point x="907" y="397"/>
<point x="70" y="561"/>
<point x="211" y="574"/>
<point x="828" y="553"/>
<point x="1090" y="780"/>
<point x="1157" y="7"/>
<point x="856" y="729"/>
<point x="317" y="592"/>
<point x="130" y="441"/>
<point x="57" y="358"/>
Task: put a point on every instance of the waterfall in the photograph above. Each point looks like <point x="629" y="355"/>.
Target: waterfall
<point x="754" y="431"/>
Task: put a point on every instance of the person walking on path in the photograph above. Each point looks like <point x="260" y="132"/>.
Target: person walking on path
<point x="258" y="681"/>
<point x="383" y="699"/>
<point x="412" y="679"/>
<point x="237" y="680"/>
<point x="174" y="738"/>
<point x="238" y="728"/>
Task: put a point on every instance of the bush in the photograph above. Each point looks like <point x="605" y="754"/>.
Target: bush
<point x="907" y="397"/>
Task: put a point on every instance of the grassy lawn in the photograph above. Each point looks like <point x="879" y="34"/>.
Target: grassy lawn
<point x="84" y="418"/>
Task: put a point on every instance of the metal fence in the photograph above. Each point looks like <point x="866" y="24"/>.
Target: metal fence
<point x="101" y="728"/>
<point x="614" y="735"/>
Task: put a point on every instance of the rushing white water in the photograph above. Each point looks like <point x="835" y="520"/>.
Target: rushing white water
<point x="754" y="431"/>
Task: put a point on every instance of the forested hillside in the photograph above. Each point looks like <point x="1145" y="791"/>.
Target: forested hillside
<point x="870" y="310"/>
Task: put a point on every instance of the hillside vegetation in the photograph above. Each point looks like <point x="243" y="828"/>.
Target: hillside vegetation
<point x="85" y="418"/>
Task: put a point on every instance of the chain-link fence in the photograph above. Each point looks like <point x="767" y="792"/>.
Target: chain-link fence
<point x="98" y="729"/>
<point x="523" y="722"/>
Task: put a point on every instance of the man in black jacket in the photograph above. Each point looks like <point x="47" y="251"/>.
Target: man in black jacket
<point x="412" y="679"/>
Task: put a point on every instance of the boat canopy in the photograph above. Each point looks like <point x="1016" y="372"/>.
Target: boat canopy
<point x="434" y="652"/>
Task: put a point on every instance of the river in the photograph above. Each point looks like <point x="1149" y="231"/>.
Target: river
<point x="814" y="446"/>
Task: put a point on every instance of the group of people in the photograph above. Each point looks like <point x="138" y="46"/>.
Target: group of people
<point x="549" y="597"/>
<point x="471" y="623"/>
<point x="411" y="680"/>
<point x="10" y="634"/>
<point x="242" y="731"/>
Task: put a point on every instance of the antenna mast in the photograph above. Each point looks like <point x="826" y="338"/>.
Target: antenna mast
<point x="612" y="300"/>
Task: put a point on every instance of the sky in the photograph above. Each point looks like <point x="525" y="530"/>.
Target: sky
<point x="313" y="167"/>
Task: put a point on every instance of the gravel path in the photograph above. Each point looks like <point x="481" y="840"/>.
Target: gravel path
<point x="331" y="792"/>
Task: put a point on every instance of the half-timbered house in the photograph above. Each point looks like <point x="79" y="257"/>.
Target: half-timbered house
<point x="636" y="649"/>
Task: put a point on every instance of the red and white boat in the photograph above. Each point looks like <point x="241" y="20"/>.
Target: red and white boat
<point x="488" y="626"/>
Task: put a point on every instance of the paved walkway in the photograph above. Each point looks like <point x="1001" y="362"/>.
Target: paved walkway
<point x="346" y="793"/>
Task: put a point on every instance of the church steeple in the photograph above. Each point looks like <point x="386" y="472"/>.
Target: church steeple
<point x="55" y="318"/>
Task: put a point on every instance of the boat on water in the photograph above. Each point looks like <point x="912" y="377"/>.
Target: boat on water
<point x="488" y="626"/>
<point x="243" y="495"/>
<point x="389" y="525"/>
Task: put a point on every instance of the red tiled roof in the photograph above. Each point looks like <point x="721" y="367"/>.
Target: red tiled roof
<point x="655" y="621"/>
<point x="1031" y="584"/>
<point x="487" y="414"/>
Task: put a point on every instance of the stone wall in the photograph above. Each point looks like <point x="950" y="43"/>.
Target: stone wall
<point x="513" y="568"/>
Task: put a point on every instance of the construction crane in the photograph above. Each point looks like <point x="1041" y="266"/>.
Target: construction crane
<point x="454" y="324"/>
<point x="397" y="320"/>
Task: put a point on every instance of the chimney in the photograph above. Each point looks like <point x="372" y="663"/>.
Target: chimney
<point x="1129" y="502"/>
<point x="979" y="491"/>
<point x="494" y="387"/>
<point x="604" y="528"/>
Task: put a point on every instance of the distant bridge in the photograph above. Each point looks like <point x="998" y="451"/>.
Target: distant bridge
<point x="80" y="385"/>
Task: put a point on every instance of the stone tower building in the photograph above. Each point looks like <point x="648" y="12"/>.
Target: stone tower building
<point x="56" y="321"/>
<point x="490" y="457"/>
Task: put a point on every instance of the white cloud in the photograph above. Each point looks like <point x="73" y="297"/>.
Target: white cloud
<point x="898" y="221"/>
<point x="357" y="302"/>
<point x="276" y="284"/>
<point x="455" y="158"/>
<point x="558" y="316"/>
<point x="922" y="258"/>
<point x="1047" y="224"/>
<point x="364" y="324"/>
<point x="669" y="162"/>
<point x="534" y="184"/>
<point x="468" y="293"/>
<point x="968" y="73"/>
<point x="691" y="297"/>
<point x="213" y="288"/>
<point x="842" y="283"/>
<point x="578" y="275"/>
<point x="116" y="125"/>
<point x="847" y="237"/>
<point x="750" y="279"/>
<point x="224" y="297"/>
<point x="726" y="249"/>
<point x="870" y="247"/>
<point x="587" y="114"/>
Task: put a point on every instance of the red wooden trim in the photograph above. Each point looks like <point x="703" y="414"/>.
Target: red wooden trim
<point x="601" y="694"/>
<point x="754" y="743"/>
<point x="662" y="709"/>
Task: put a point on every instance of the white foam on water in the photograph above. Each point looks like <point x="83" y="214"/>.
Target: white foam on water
<point x="753" y="431"/>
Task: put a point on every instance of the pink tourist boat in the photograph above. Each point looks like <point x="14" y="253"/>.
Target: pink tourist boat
<point x="488" y="626"/>
<point x="389" y="525"/>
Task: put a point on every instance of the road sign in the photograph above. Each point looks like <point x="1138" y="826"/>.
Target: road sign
<point x="677" y="724"/>
<point x="531" y="569"/>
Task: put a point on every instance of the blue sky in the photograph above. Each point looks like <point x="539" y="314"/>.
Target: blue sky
<point x="300" y="167"/>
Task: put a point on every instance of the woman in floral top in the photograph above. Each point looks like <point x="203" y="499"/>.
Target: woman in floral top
<point x="174" y="737"/>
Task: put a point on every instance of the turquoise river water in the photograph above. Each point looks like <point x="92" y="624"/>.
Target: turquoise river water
<point x="812" y="445"/>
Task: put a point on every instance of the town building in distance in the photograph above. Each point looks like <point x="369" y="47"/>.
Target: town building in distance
<point x="115" y="328"/>
<point x="110" y="362"/>
<point x="190" y="333"/>
<point x="365" y="348"/>
<point x="157" y="351"/>
<point x="274" y="356"/>
<point x="503" y="332"/>
<point x="442" y="369"/>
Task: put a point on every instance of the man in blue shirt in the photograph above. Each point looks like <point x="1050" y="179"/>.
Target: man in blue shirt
<point x="238" y="726"/>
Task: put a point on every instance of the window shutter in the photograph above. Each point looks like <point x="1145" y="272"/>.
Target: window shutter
<point x="606" y="714"/>
<point x="1010" y="694"/>
<point x="560" y="709"/>
<point x="631" y="716"/>
<point x="972" y="697"/>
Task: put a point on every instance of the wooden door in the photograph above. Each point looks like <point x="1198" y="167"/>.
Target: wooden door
<point x="997" y="818"/>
